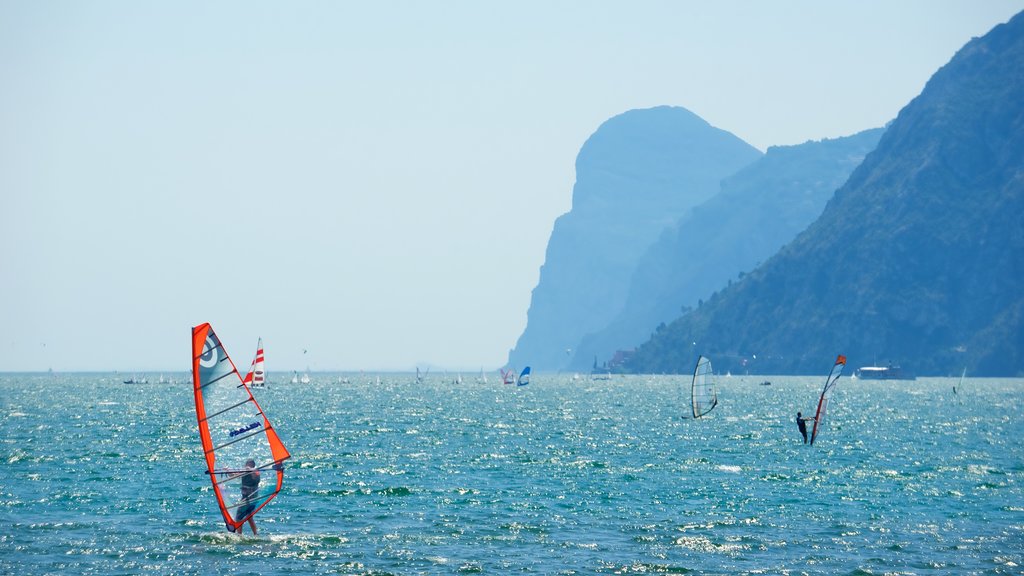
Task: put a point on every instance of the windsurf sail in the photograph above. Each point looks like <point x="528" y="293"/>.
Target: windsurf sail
<point x="508" y="376"/>
<point x="830" y="383"/>
<point x="256" y="377"/>
<point x="233" y="430"/>
<point x="421" y="377"/>
<point x="703" y="396"/>
<point x="524" y="377"/>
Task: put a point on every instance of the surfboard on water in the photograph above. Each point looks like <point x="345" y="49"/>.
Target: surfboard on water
<point x="524" y="377"/>
<point x="830" y="383"/>
<point x="233" y="429"/>
<point x="256" y="376"/>
<point x="703" y="395"/>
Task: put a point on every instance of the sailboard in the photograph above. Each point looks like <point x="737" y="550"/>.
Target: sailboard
<point x="703" y="396"/>
<point x="256" y="376"/>
<point x="508" y="376"/>
<point x="524" y="377"/>
<point x="830" y="383"/>
<point x="233" y="429"/>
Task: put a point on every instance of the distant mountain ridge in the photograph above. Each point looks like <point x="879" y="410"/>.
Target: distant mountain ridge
<point x="635" y="176"/>
<point x="918" y="259"/>
<point x="758" y="210"/>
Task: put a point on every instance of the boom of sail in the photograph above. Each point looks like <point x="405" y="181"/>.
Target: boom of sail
<point x="703" y="395"/>
<point x="233" y="430"/>
<point x="830" y="383"/>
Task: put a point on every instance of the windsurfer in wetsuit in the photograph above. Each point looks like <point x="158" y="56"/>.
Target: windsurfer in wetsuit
<point x="250" y="485"/>
<point x="801" y="423"/>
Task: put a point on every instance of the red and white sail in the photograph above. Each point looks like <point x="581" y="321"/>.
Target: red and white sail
<point x="256" y="377"/>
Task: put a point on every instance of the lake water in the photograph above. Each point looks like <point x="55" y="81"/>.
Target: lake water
<point x="558" y="477"/>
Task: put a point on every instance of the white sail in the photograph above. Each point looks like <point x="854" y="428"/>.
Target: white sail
<point x="703" y="396"/>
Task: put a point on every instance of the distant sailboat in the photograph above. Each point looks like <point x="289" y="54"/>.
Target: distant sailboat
<point x="295" y="377"/>
<point x="524" y="377"/>
<point x="256" y="376"/>
<point x="703" y="395"/>
<point x="830" y="383"/>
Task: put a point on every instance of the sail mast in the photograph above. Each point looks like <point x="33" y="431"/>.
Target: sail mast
<point x="830" y="382"/>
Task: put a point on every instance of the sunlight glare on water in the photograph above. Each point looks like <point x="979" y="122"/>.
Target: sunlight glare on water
<point x="560" y="476"/>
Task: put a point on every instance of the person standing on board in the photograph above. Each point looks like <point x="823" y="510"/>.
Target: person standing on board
<point x="250" y="485"/>
<point x="801" y="423"/>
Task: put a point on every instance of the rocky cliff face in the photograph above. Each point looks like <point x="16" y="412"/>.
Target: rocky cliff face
<point x="918" y="259"/>
<point x="635" y="177"/>
<point x="757" y="211"/>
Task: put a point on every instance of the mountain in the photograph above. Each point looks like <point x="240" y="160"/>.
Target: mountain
<point x="759" y="209"/>
<point x="635" y="176"/>
<point x="918" y="259"/>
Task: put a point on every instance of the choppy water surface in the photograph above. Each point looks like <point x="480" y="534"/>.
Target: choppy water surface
<point x="558" y="477"/>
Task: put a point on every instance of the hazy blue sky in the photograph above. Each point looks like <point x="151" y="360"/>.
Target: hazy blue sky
<point x="372" y="182"/>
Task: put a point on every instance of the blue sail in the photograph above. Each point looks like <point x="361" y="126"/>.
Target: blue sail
<point x="524" y="377"/>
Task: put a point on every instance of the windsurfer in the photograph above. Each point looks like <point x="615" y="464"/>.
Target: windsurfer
<point x="250" y="485"/>
<point x="801" y="423"/>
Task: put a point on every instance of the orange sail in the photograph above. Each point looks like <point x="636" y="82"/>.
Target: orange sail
<point x="233" y="430"/>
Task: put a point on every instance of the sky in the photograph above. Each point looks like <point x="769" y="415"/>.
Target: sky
<point x="371" y="185"/>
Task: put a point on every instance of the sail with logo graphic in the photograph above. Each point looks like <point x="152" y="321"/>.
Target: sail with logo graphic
<point x="826" y="393"/>
<point x="233" y="430"/>
<point x="256" y="377"/>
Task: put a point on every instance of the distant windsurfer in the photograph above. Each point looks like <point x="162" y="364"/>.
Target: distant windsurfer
<point x="801" y="423"/>
<point x="250" y="485"/>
